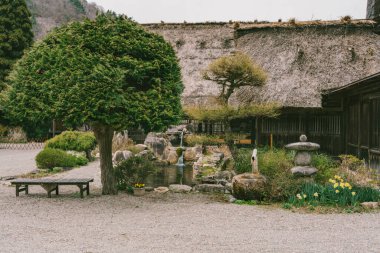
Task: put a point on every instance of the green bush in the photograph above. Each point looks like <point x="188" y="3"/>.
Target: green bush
<point x="211" y="140"/>
<point x="132" y="171"/>
<point x="326" y="166"/>
<point x="73" y="140"/>
<point x="242" y="157"/>
<point x="50" y="158"/>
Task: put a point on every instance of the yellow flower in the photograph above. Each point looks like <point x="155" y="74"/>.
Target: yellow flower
<point x="304" y="196"/>
<point x="353" y="193"/>
<point x="315" y="194"/>
<point x="299" y="196"/>
<point x="342" y="185"/>
<point x="332" y="181"/>
<point x="337" y="177"/>
<point x="350" y="187"/>
<point x="347" y="185"/>
<point x="336" y="191"/>
<point x="336" y="185"/>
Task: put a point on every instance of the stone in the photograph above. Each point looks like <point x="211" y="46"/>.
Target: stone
<point x="190" y="154"/>
<point x="249" y="186"/>
<point x="146" y="154"/>
<point x="231" y="199"/>
<point x="121" y="156"/>
<point x="161" y="189"/>
<point x="180" y="188"/>
<point x="373" y="9"/>
<point x="141" y="147"/>
<point x="226" y="174"/>
<point x="172" y="157"/>
<point x="214" y="188"/>
<point x="304" y="171"/>
<point x="302" y="158"/>
<point x="303" y="146"/>
<point x="208" y="180"/>
<point x="157" y="142"/>
<point x="228" y="187"/>
<point x="149" y="189"/>
<point x="370" y="205"/>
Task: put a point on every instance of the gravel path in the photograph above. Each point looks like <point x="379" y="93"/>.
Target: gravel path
<point x="17" y="162"/>
<point x="169" y="223"/>
<point x="172" y="223"/>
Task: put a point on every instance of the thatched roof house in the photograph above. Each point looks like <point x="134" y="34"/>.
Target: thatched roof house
<point x="301" y="58"/>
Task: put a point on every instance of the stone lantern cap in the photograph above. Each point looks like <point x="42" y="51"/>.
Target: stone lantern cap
<point x="303" y="145"/>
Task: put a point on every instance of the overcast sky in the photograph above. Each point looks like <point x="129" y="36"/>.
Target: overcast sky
<point x="147" y="11"/>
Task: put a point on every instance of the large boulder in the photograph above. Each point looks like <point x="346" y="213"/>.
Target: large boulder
<point x="179" y="188"/>
<point x="172" y="157"/>
<point x="190" y="154"/>
<point x="214" y="188"/>
<point x="158" y="143"/>
<point x="249" y="186"/>
<point x="141" y="147"/>
<point x="121" y="156"/>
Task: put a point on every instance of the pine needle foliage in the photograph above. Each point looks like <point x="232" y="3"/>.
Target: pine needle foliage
<point x="15" y="34"/>
<point x="234" y="71"/>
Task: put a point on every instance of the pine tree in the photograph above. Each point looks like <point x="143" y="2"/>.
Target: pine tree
<point x="15" y="34"/>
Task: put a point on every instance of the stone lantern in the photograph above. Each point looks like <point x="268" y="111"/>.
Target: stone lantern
<point x="302" y="160"/>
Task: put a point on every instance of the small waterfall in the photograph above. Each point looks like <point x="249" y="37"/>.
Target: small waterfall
<point x="180" y="163"/>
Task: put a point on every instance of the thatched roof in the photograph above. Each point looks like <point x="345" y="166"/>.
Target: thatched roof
<point x="301" y="59"/>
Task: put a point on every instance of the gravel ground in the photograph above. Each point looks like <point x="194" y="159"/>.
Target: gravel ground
<point x="170" y="223"/>
<point x="17" y="162"/>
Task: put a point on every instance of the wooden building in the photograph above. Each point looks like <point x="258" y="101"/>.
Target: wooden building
<point x="358" y="104"/>
<point x="347" y="123"/>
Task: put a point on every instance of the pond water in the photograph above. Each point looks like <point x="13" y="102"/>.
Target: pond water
<point x="165" y="176"/>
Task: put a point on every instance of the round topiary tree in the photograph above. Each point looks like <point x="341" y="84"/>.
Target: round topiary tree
<point x="109" y="73"/>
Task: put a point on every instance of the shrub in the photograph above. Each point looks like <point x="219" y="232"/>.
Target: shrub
<point x="326" y="166"/>
<point x="3" y="130"/>
<point x="131" y="171"/>
<point x="73" y="140"/>
<point x="192" y="140"/>
<point x="242" y="157"/>
<point x="50" y="158"/>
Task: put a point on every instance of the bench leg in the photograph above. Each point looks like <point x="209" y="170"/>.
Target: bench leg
<point x="88" y="189"/>
<point x="56" y="190"/>
<point x="17" y="190"/>
<point x="81" y="190"/>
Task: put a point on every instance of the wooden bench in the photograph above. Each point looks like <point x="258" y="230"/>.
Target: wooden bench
<point x="51" y="185"/>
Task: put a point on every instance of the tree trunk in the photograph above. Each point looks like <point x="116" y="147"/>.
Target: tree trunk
<point x="104" y="135"/>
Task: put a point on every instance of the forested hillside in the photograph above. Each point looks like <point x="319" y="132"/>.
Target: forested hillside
<point x="48" y="14"/>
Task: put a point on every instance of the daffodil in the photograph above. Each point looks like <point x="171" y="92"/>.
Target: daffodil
<point x="336" y="185"/>
<point x="347" y="185"/>
<point x="304" y="196"/>
<point x="342" y="185"/>
<point x="315" y="194"/>
<point x="353" y="193"/>
<point x="332" y="181"/>
<point x="337" y="177"/>
<point x="299" y="196"/>
<point x="336" y="191"/>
